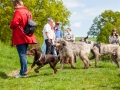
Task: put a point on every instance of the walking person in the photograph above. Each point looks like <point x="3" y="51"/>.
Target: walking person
<point x="19" y="38"/>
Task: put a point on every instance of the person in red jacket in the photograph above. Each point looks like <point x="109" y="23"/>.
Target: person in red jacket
<point x="19" y="39"/>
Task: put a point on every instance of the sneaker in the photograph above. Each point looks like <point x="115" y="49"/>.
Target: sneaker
<point x="25" y="75"/>
<point x="19" y="75"/>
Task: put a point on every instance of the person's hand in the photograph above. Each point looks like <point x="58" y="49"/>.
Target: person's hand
<point x="49" y="40"/>
<point x="114" y="36"/>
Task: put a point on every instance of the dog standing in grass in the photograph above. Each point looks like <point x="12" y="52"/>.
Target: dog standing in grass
<point x="65" y="52"/>
<point x="99" y="50"/>
<point x="69" y="49"/>
<point x="40" y="60"/>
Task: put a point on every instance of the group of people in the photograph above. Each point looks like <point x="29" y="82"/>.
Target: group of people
<point x="51" y="31"/>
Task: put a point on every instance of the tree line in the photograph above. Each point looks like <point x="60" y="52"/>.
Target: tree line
<point x="40" y="9"/>
<point x="43" y="9"/>
<point x="103" y="25"/>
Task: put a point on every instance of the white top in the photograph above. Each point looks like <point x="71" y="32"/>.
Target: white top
<point x="47" y="28"/>
<point x="114" y="40"/>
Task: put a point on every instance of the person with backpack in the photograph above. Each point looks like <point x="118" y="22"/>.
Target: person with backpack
<point x="19" y="38"/>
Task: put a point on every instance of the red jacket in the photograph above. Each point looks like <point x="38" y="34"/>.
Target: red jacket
<point x="17" y="24"/>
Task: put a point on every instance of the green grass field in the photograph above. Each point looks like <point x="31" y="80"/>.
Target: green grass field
<point x="105" y="77"/>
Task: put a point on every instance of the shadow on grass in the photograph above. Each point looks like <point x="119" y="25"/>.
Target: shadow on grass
<point x="45" y="74"/>
<point x="32" y="76"/>
<point x="116" y="87"/>
<point x="3" y="75"/>
<point x="118" y="75"/>
<point x="98" y="67"/>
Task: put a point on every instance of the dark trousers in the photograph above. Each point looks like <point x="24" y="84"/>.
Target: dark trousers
<point x="49" y="47"/>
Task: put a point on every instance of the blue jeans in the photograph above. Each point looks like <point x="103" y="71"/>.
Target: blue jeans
<point x="22" y="49"/>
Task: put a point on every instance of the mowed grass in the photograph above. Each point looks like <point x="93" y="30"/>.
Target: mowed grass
<point x="105" y="77"/>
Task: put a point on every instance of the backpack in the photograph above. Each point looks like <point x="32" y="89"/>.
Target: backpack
<point x="30" y="26"/>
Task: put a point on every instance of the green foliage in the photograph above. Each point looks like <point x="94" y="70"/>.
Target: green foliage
<point x="41" y="10"/>
<point x="103" y="24"/>
<point x="105" y="32"/>
<point x="5" y="17"/>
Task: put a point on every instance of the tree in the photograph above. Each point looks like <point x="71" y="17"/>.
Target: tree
<point x="41" y="10"/>
<point x="103" y="24"/>
<point x="6" y="12"/>
<point x="105" y="32"/>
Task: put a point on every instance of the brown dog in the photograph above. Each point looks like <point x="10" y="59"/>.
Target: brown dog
<point x="40" y="60"/>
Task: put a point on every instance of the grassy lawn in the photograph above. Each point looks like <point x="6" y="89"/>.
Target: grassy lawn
<point x="105" y="77"/>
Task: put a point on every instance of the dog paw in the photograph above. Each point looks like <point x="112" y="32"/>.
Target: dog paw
<point x="36" y="71"/>
<point x="53" y="74"/>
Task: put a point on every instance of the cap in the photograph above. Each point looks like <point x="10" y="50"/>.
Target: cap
<point x="57" y="23"/>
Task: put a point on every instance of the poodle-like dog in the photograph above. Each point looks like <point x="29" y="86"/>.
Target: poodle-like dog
<point x="99" y="50"/>
<point x="69" y="49"/>
<point x="65" y="52"/>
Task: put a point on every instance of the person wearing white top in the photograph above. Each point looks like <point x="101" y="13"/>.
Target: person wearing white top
<point x="48" y="36"/>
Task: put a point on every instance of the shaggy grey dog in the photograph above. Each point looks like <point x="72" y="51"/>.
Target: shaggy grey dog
<point x="99" y="50"/>
<point x="65" y="52"/>
<point x="69" y="49"/>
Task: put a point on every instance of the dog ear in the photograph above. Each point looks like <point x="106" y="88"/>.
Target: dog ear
<point x="64" y="43"/>
<point x="85" y="39"/>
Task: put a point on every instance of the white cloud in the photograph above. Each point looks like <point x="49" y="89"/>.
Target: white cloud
<point x="73" y="3"/>
<point x="77" y="24"/>
<point x="76" y="16"/>
<point x="92" y="11"/>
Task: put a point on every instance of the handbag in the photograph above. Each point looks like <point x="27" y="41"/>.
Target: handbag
<point x="30" y="26"/>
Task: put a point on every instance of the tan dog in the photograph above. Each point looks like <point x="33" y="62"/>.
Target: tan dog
<point x="106" y="49"/>
<point x="65" y="52"/>
<point x="69" y="49"/>
<point x="102" y="50"/>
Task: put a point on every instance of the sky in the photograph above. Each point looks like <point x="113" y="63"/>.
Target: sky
<point x="84" y="12"/>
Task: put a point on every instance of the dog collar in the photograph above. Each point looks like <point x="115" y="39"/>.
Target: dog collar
<point x="40" y="57"/>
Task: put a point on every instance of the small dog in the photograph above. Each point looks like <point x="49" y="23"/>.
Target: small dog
<point x="40" y="60"/>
